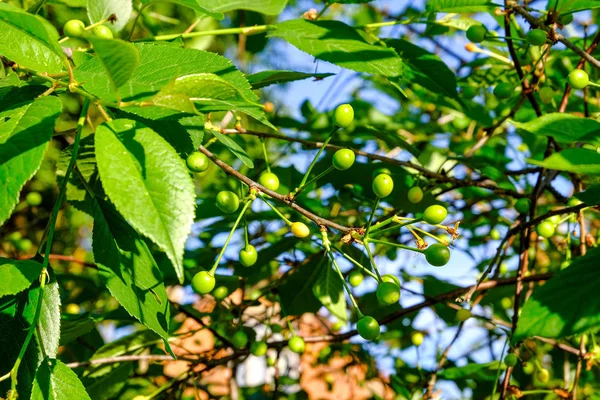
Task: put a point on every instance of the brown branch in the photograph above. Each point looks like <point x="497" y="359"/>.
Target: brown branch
<point x="127" y="358"/>
<point x="406" y="164"/>
<point x="540" y="24"/>
<point x="431" y="383"/>
<point x="558" y="345"/>
<point x="284" y="199"/>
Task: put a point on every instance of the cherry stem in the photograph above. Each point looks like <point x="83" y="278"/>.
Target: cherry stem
<point x="327" y="245"/>
<point x="314" y="161"/>
<point x="375" y="231"/>
<point x="264" y="148"/>
<point x="353" y="261"/>
<point x="316" y="178"/>
<point x="368" y="248"/>
<point x="287" y="221"/>
<point x="372" y="215"/>
<point x="401" y="246"/>
<point x="442" y="241"/>
<point x="236" y="223"/>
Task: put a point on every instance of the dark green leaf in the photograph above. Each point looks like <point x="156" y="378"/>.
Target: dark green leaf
<point x="425" y="69"/>
<point x="329" y="289"/>
<point x="48" y="328"/>
<point x="296" y="292"/>
<point x="148" y="183"/>
<point x="266" y="78"/>
<point x="128" y="269"/>
<point x="556" y="309"/>
<point x="487" y="371"/>
<point x="590" y="196"/>
<point x="235" y="148"/>
<point x="340" y="44"/>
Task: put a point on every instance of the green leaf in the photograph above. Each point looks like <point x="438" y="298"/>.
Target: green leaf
<point x="148" y="183"/>
<point x="570" y="6"/>
<point x="17" y="275"/>
<point x="296" y="292"/>
<point x="340" y="44"/>
<point x="235" y="148"/>
<point x="425" y="69"/>
<point x="201" y="93"/>
<point x="193" y="4"/>
<point x="590" y="196"/>
<point x="99" y="10"/>
<point x="564" y="128"/>
<point x="266" y="78"/>
<point x="329" y="289"/>
<point x="159" y="66"/>
<point x="581" y="161"/>
<point x="461" y="6"/>
<point x="555" y="310"/>
<point x="29" y="40"/>
<point x="55" y="381"/>
<point x="75" y="326"/>
<point x="268" y="7"/>
<point x="48" y="328"/>
<point x="23" y="141"/>
<point x="16" y="316"/>
<point x="129" y="270"/>
<point x="486" y="372"/>
<point x="110" y="384"/>
<point x="120" y="58"/>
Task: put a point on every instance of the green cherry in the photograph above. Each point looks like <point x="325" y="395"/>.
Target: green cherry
<point x="296" y="344"/>
<point x="203" y="282"/>
<point x="343" y="159"/>
<point x="344" y="115"/>
<point x="74" y="28"/>
<point x="511" y="360"/>
<point x="543" y="375"/>
<point x="504" y="90"/>
<point x="435" y="214"/>
<point x="102" y="31"/>
<point x="476" y="33"/>
<point x="368" y="328"/>
<point x="383" y="185"/>
<point x="269" y="180"/>
<point x="463" y="314"/>
<point x="391" y="278"/>
<point x="239" y="339"/>
<point x="415" y="194"/>
<point x="220" y="293"/>
<point x="197" y="162"/>
<point x="34" y="199"/>
<point x="437" y="255"/>
<point x="578" y="79"/>
<point x="258" y="349"/>
<point x="545" y="229"/>
<point x="388" y="293"/>
<point x="355" y="278"/>
<point x="523" y="205"/>
<point x="536" y="37"/>
<point x="546" y="95"/>
<point x="228" y="202"/>
<point x="248" y="256"/>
